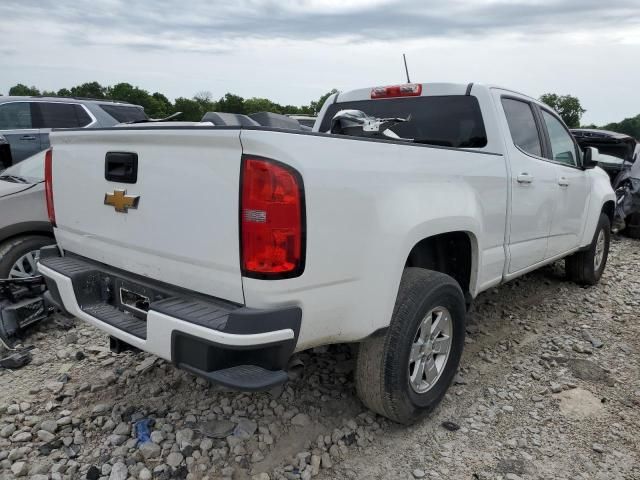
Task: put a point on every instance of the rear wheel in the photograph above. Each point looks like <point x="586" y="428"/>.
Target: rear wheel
<point x="586" y="267"/>
<point x="18" y="256"/>
<point x="404" y="373"/>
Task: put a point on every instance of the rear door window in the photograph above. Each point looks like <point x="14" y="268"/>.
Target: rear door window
<point x="60" y="115"/>
<point x="124" y="113"/>
<point x="15" y="116"/>
<point x="522" y="126"/>
<point x="448" y="120"/>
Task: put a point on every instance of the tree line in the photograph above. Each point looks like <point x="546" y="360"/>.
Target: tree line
<point x="569" y="108"/>
<point x="157" y="105"/>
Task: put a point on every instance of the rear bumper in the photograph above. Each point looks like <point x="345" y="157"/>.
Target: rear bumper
<point x="227" y="343"/>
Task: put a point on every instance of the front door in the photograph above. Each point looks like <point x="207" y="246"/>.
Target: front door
<point x="16" y="126"/>
<point x="572" y="184"/>
<point x="533" y="184"/>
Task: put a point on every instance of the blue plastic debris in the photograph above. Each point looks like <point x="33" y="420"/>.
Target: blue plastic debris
<point x="143" y="432"/>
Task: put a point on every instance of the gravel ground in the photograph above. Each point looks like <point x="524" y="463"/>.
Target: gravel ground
<point x="549" y="388"/>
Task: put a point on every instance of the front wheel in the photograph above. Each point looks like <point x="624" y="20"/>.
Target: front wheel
<point x="404" y="373"/>
<point x="586" y="267"/>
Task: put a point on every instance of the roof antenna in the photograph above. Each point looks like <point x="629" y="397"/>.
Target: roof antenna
<point x="406" y="69"/>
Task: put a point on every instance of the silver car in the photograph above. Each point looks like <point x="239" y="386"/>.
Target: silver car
<point x="24" y="225"/>
<point x="25" y="122"/>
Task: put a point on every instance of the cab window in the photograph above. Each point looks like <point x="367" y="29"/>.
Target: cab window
<point x="563" y="149"/>
<point x="522" y="126"/>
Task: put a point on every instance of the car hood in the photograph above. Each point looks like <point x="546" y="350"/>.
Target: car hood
<point x="9" y="188"/>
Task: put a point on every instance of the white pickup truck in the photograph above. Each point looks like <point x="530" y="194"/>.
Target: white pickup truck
<point x="226" y="248"/>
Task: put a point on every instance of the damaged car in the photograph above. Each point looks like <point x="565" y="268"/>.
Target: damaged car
<point x="619" y="156"/>
<point x="24" y="224"/>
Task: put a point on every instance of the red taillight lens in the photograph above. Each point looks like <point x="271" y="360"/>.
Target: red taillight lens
<point x="48" y="186"/>
<point x="271" y="219"/>
<point x="405" y="90"/>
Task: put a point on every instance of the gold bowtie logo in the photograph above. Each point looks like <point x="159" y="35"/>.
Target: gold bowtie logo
<point x="121" y="201"/>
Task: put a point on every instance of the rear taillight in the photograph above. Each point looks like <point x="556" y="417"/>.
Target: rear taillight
<point x="272" y="229"/>
<point x="48" y="186"/>
<point x="405" y="90"/>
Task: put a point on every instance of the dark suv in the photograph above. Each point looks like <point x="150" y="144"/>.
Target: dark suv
<point x="25" y="122"/>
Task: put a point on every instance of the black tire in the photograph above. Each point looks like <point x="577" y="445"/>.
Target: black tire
<point x="382" y="369"/>
<point x="632" y="229"/>
<point x="580" y="266"/>
<point x="13" y="249"/>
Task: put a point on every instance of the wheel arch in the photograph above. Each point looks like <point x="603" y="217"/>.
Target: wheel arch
<point x="26" y="228"/>
<point x="608" y="208"/>
<point x="454" y="253"/>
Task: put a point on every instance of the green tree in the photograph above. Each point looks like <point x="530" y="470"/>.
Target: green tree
<point x="628" y="126"/>
<point x="255" y="105"/>
<point x="163" y="106"/>
<point x="567" y="106"/>
<point x="89" y="90"/>
<point x="204" y="99"/>
<point x="190" y="108"/>
<point x="64" y="92"/>
<point x="316" y="106"/>
<point x="231" y="103"/>
<point x="23" y="90"/>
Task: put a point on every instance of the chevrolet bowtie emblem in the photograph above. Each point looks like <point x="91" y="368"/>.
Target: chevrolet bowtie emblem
<point x="121" y="201"/>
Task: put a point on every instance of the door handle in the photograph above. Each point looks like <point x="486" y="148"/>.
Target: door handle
<point x="563" y="182"/>
<point x="27" y="137"/>
<point x="524" y="177"/>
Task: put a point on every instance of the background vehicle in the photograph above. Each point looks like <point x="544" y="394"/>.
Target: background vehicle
<point x="24" y="225"/>
<point x="619" y="156"/>
<point x="615" y="148"/>
<point x="266" y="240"/>
<point x="5" y="153"/>
<point x="306" y="120"/>
<point x="25" y="122"/>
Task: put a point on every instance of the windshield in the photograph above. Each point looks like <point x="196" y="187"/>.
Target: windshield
<point x="449" y="121"/>
<point x="31" y="169"/>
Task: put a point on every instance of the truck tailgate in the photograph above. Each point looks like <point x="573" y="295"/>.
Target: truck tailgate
<point x="184" y="230"/>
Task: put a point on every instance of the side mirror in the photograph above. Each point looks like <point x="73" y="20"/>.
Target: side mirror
<point x="590" y="158"/>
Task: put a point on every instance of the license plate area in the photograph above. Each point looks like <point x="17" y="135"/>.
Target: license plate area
<point x="134" y="301"/>
<point x="133" y="298"/>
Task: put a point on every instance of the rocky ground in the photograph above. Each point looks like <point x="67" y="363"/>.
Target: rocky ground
<point x="549" y="388"/>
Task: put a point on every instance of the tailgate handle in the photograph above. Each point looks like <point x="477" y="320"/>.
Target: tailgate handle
<point x="121" y="167"/>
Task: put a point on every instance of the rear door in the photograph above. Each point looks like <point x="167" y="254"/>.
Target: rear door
<point x="181" y="225"/>
<point x="533" y="183"/>
<point x="16" y="125"/>
<point x="573" y="186"/>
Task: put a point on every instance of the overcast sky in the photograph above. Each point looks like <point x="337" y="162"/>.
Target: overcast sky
<point x="294" y="51"/>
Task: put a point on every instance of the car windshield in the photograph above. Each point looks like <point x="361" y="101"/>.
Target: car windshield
<point x="31" y="169"/>
<point x="449" y="121"/>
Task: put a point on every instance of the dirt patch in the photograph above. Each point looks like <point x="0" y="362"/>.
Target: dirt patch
<point x="590" y="372"/>
<point x="580" y="404"/>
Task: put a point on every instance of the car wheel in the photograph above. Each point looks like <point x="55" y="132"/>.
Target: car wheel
<point x="405" y="372"/>
<point x="586" y="267"/>
<point x="18" y="256"/>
